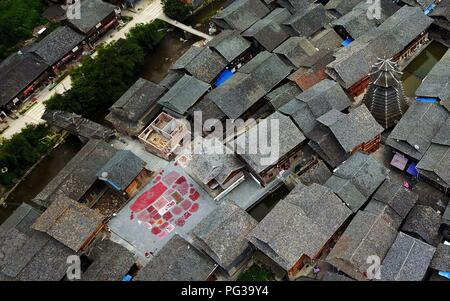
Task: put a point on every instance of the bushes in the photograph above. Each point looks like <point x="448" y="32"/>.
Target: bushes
<point x="21" y="151"/>
<point x="100" y="81"/>
<point x="18" y="18"/>
<point x="176" y="9"/>
<point x="257" y="272"/>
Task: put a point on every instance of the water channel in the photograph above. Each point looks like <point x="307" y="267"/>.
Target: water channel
<point x="416" y="71"/>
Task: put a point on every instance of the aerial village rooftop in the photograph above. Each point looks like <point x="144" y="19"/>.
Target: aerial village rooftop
<point x="361" y="169"/>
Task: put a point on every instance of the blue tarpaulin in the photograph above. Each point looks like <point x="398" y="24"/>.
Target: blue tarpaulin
<point x="223" y="77"/>
<point x="430" y="8"/>
<point x="444" y="274"/>
<point x="127" y="278"/>
<point x="347" y="42"/>
<point x="427" y="99"/>
<point x="412" y="170"/>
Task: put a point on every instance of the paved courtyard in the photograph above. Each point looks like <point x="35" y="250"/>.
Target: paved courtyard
<point x="171" y="204"/>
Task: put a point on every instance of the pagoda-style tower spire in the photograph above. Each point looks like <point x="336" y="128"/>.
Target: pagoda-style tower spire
<point x="385" y="97"/>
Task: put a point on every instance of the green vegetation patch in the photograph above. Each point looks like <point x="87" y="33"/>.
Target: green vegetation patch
<point x="22" y="150"/>
<point x="100" y="81"/>
<point x="18" y="18"/>
<point x="177" y="10"/>
<point x="257" y="272"/>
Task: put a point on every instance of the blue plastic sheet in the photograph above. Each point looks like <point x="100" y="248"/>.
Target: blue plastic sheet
<point x="223" y="77"/>
<point x="426" y="99"/>
<point x="412" y="170"/>
<point x="347" y="42"/>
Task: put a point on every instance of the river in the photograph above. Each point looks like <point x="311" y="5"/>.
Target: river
<point x="41" y="175"/>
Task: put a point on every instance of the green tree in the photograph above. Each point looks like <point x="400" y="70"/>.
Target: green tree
<point x="176" y="9"/>
<point x="100" y="81"/>
<point x="148" y="35"/>
<point x="18" y="18"/>
<point x="21" y="151"/>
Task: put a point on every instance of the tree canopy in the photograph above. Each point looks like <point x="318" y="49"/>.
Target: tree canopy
<point x="18" y="18"/>
<point x="100" y="81"/>
<point x="21" y="151"/>
<point x="176" y="9"/>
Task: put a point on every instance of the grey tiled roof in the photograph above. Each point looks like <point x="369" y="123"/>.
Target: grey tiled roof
<point x="56" y="44"/>
<point x="319" y="174"/>
<point x="223" y="233"/>
<point x="283" y="94"/>
<point x="208" y="164"/>
<point x="407" y="260"/>
<point x="122" y="168"/>
<point x="289" y="138"/>
<point x="92" y="13"/>
<point x="414" y="132"/>
<point x="377" y="207"/>
<point x="326" y="146"/>
<point x="435" y="164"/>
<point x="269" y="31"/>
<point x="442" y="10"/>
<point x="308" y="21"/>
<point x="77" y="125"/>
<point x="177" y="261"/>
<point x="324" y="96"/>
<point x="78" y="175"/>
<point x="184" y="94"/>
<point x="50" y="264"/>
<point x="441" y="259"/>
<point x="314" y="102"/>
<point x="355" y="180"/>
<point x="28" y="254"/>
<point x="342" y="7"/>
<point x="356" y="22"/>
<point x="297" y="51"/>
<point x="301" y="114"/>
<point x="405" y="25"/>
<point x="69" y="222"/>
<point x="230" y="44"/>
<point x="437" y="81"/>
<point x="367" y="235"/>
<point x="353" y="63"/>
<point x="17" y="72"/>
<point x="423" y="221"/>
<point x="111" y="262"/>
<point x="171" y="78"/>
<point x="295" y="5"/>
<point x="251" y="83"/>
<point x="140" y="97"/>
<point x="355" y="128"/>
<point x="400" y="199"/>
<point x="208" y="108"/>
<point x="201" y="62"/>
<point x="241" y="14"/>
<point x="301" y="224"/>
